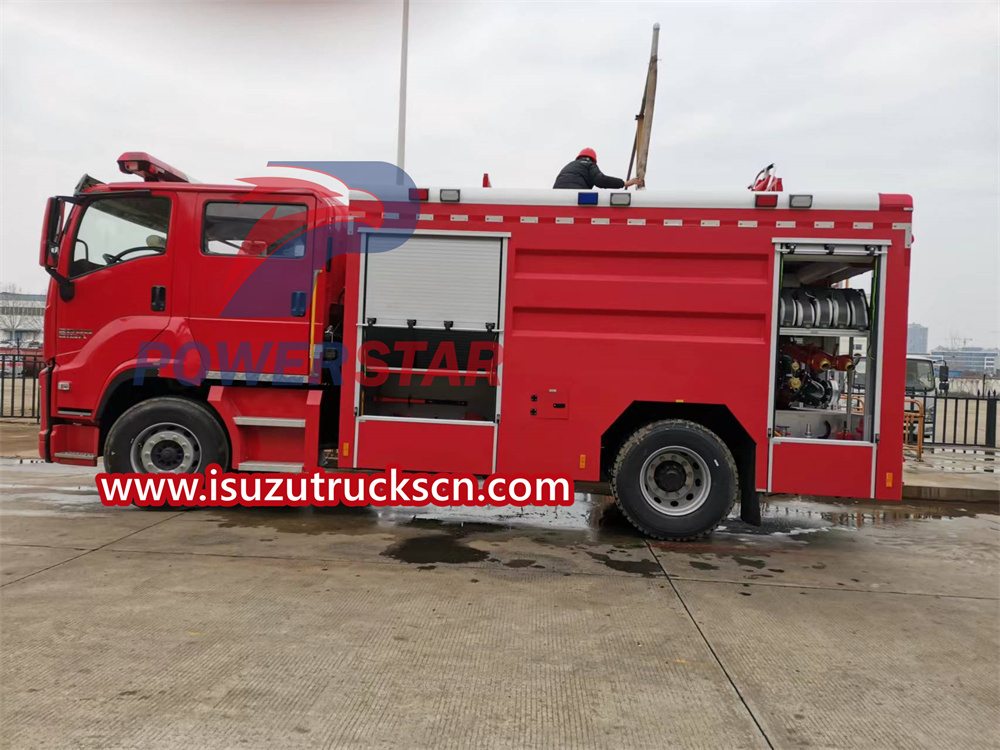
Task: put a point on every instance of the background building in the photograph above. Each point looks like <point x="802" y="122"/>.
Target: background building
<point x="969" y="360"/>
<point x="916" y="339"/>
<point x="21" y="318"/>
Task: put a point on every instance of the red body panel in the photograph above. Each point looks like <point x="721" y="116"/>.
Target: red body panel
<point x="102" y="328"/>
<point x="614" y="313"/>
<point x="288" y="444"/>
<point x="212" y="279"/>
<point x="420" y="446"/>
<point x="834" y="469"/>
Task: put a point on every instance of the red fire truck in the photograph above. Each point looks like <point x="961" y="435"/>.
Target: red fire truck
<point x="690" y="349"/>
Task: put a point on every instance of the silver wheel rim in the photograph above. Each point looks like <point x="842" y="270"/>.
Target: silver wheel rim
<point x="165" y="448"/>
<point x="675" y="481"/>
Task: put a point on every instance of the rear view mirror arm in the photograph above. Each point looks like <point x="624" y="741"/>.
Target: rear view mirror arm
<point x="66" y="287"/>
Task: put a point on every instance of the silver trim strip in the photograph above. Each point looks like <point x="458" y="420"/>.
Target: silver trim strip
<point x="770" y="462"/>
<point x="269" y="422"/>
<point x="75" y="455"/>
<point x="500" y="336"/>
<point x="775" y="294"/>
<point x="680" y="198"/>
<point x="434" y="232"/>
<point x="283" y="467"/>
<point x="877" y="409"/>
<point x="827" y="241"/>
<point x="421" y="420"/>
<point x="262" y="377"/>
<point x="818" y="441"/>
<point x="355" y="383"/>
<point x="74" y="412"/>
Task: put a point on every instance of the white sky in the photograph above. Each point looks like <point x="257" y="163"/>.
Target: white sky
<point x="890" y="97"/>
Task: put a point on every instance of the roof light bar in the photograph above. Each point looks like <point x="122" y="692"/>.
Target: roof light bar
<point x="621" y="199"/>
<point x="586" y="199"/>
<point x="450" y="195"/>
<point x="149" y="168"/>
<point x="419" y="194"/>
<point x="800" y="201"/>
<point x="766" y="200"/>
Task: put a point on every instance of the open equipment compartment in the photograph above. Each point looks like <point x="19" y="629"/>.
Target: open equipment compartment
<point x="430" y="333"/>
<point x="828" y="321"/>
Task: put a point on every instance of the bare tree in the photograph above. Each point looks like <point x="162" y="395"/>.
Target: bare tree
<point x="13" y="316"/>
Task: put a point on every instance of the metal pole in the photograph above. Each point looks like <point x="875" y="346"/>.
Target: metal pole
<point x="401" y="130"/>
<point x="645" y="119"/>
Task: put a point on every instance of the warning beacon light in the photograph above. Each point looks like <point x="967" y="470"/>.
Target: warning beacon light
<point x="149" y="168"/>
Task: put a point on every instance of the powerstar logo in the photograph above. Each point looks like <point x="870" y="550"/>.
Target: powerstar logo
<point x="284" y="232"/>
<point x="290" y="242"/>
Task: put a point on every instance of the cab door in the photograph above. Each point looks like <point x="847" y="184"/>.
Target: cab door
<point x="118" y="256"/>
<point x="251" y="286"/>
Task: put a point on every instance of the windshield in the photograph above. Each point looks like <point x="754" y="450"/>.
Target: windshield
<point x="919" y="375"/>
<point x="119" y="229"/>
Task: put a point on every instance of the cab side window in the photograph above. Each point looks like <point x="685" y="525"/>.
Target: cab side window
<point x="118" y="230"/>
<point x="255" y="229"/>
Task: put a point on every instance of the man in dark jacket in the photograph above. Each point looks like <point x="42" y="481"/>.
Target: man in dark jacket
<point x="582" y="174"/>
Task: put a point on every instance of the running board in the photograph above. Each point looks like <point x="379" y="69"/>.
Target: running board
<point x="271" y="466"/>
<point x="270" y="429"/>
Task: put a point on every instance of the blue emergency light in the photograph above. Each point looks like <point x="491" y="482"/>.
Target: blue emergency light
<point x="587" y="199"/>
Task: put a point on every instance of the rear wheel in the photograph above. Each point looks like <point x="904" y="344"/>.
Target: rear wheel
<point x="165" y="435"/>
<point x="675" y="480"/>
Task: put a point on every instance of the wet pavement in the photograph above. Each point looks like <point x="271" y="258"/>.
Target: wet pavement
<point x="831" y="625"/>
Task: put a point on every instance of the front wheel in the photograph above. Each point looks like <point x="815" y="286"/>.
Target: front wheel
<point x="675" y="480"/>
<point x="165" y="435"/>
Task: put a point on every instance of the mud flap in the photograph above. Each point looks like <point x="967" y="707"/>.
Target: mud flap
<point x="749" y="498"/>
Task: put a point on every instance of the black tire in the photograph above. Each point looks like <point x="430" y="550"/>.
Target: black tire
<point x="198" y="425"/>
<point x="675" y="480"/>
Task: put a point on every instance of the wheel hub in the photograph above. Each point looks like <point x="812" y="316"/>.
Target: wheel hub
<point x="165" y="449"/>
<point x="669" y="476"/>
<point x="675" y="481"/>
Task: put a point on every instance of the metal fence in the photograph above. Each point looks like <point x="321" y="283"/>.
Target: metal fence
<point x="960" y="420"/>
<point x="19" y="385"/>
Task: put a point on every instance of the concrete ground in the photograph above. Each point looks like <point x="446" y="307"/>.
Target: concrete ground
<point x="832" y="626"/>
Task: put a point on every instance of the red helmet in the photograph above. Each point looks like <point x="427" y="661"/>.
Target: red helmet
<point x="588" y="152"/>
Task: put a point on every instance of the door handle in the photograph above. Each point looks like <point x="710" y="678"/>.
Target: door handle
<point x="298" y="304"/>
<point x="158" y="299"/>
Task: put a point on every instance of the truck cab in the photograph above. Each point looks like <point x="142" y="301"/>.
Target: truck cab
<point x="163" y="287"/>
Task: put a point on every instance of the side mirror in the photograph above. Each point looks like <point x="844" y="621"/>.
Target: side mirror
<point x="48" y="256"/>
